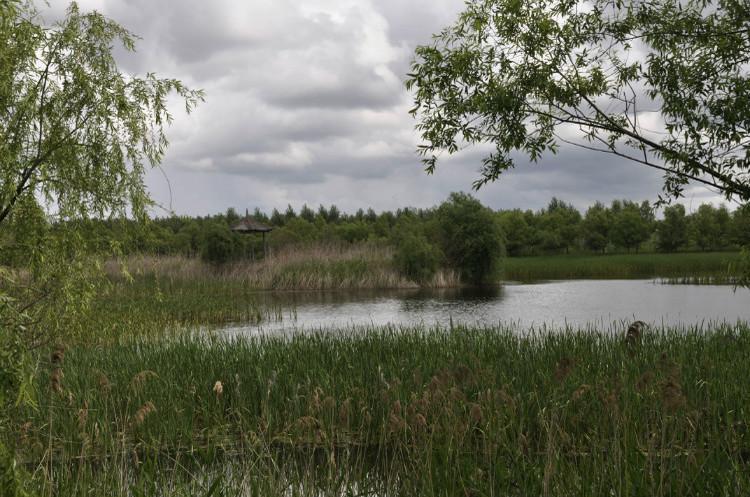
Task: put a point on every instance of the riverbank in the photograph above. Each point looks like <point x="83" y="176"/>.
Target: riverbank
<point x="392" y="411"/>
<point x="683" y="267"/>
<point x="371" y="267"/>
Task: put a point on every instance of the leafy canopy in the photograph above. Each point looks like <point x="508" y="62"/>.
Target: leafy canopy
<point x="75" y="131"/>
<point x="525" y="76"/>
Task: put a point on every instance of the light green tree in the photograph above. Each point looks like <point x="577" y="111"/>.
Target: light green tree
<point x="76" y="137"/>
<point x="521" y="75"/>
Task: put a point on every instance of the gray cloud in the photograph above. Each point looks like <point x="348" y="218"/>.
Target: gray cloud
<point x="306" y="104"/>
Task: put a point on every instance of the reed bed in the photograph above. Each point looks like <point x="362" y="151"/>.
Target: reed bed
<point x="672" y="268"/>
<point x="316" y="267"/>
<point x="397" y="411"/>
<point x="153" y="307"/>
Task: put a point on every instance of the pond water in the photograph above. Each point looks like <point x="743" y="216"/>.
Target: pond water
<point x="556" y="304"/>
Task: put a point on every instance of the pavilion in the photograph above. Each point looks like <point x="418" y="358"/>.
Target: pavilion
<point x="249" y="225"/>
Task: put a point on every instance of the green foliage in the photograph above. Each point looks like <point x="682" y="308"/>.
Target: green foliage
<point x="673" y="229"/>
<point x="416" y="258"/>
<point x="519" y="231"/>
<point x="76" y="133"/>
<point x="559" y="226"/>
<point x="516" y="74"/>
<point x="470" y="238"/>
<point x="596" y="227"/>
<point x="632" y="224"/>
<point x="483" y="409"/>
<point x="218" y="246"/>
<point x="704" y="227"/>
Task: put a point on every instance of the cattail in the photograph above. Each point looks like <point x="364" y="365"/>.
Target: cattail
<point x="563" y="369"/>
<point x="644" y="381"/>
<point x="55" y="380"/>
<point x="218" y="388"/>
<point x="83" y="415"/>
<point x="457" y="395"/>
<point x="23" y="432"/>
<point x="140" y="378"/>
<point x="57" y="356"/>
<point x="580" y="392"/>
<point x="143" y="412"/>
<point x="344" y="411"/>
<point x="420" y="420"/>
<point x="672" y="396"/>
<point x="396" y="409"/>
<point x="475" y="413"/>
<point x="104" y="385"/>
<point x="396" y="423"/>
<point x="329" y="404"/>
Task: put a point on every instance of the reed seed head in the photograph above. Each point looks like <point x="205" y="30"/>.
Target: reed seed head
<point x="143" y="412"/>
<point x="218" y="388"/>
<point x="58" y="355"/>
<point x="140" y="378"/>
<point x="55" y="380"/>
<point x="475" y="413"/>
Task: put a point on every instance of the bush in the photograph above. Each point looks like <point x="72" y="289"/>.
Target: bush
<point x="470" y="238"/>
<point x="218" y="245"/>
<point x="416" y="258"/>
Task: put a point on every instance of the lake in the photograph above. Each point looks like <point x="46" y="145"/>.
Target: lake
<point x="557" y="303"/>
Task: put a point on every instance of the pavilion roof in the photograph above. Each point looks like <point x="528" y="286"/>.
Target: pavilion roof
<point x="249" y="225"/>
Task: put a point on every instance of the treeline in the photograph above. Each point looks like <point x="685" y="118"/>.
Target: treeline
<point x="623" y="226"/>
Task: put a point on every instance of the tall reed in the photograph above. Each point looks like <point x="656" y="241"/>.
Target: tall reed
<point x="402" y="411"/>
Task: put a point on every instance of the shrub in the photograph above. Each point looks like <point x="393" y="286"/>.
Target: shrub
<point x="218" y="245"/>
<point x="470" y="238"/>
<point x="416" y="258"/>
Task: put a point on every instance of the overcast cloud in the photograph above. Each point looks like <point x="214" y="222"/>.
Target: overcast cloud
<point x="305" y="103"/>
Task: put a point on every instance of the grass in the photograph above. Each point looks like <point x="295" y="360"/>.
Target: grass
<point x="397" y="411"/>
<point x="675" y="268"/>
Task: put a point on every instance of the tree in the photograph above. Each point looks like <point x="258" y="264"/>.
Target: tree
<point x="470" y="238"/>
<point x="673" y="228"/>
<point x="704" y="227"/>
<point x="518" y="234"/>
<point x="218" y="245"/>
<point x="416" y="258"/>
<point x="560" y="225"/>
<point x="307" y="213"/>
<point x="741" y="225"/>
<point x="78" y="134"/>
<point x="596" y="227"/>
<point x="516" y="73"/>
<point x="631" y="225"/>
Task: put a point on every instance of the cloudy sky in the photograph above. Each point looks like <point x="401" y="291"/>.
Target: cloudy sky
<point x="305" y="103"/>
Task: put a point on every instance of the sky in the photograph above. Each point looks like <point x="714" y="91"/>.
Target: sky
<point x="305" y="103"/>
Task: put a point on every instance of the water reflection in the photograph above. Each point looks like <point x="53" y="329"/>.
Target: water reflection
<point x="556" y="303"/>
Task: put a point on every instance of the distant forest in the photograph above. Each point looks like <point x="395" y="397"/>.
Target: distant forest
<point x="623" y="226"/>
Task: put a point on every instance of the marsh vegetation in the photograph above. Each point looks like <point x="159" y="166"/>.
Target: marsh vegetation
<point x="397" y="411"/>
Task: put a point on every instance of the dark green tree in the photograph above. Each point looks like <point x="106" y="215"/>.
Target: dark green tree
<point x="673" y="229"/>
<point x="517" y="233"/>
<point x="470" y="238"/>
<point x="596" y="226"/>
<point x="307" y="213"/>
<point x="704" y="227"/>
<point x="218" y="245"/>
<point x="416" y="258"/>
<point x="631" y="225"/>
